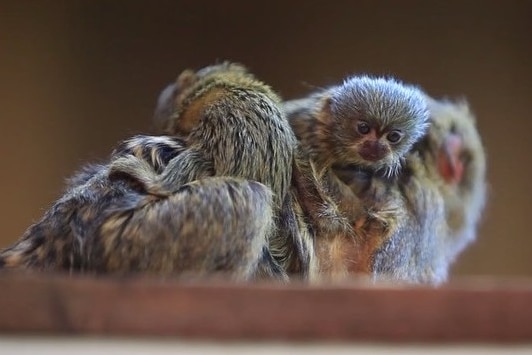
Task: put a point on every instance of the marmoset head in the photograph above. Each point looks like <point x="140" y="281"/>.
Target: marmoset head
<point x="184" y="90"/>
<point x="375" y="121"/>
<point x="455" y="145"/>
<point x="180" y="104"/>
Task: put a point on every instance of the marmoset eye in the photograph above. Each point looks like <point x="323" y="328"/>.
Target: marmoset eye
<point x="394" y="136"/>
<point x="363" y="128"/>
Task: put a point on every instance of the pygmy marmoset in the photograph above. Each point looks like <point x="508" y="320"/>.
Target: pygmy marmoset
<point x="199" y="204"/>
<point x="368" y="124"/>
<point x="441" y="191"/>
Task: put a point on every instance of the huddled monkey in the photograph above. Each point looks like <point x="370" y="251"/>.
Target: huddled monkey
<point x="210" y="207"/>
<point x="434" y="200"/>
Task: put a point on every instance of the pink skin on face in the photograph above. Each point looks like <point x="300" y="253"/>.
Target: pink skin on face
<point x="450" y="165"/>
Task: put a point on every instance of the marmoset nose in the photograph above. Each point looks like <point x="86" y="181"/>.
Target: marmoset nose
<point x="373" y="150"/>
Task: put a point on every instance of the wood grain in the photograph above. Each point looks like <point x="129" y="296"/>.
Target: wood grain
<point x="59" y="304"/>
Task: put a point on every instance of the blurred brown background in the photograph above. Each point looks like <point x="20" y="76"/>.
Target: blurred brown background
<point x="78" y="76"/>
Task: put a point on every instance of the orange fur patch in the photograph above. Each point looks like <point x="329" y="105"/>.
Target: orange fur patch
<point x="194" y="112"/>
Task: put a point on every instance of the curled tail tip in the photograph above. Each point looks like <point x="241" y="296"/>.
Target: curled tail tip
<point x="139" y="173"/>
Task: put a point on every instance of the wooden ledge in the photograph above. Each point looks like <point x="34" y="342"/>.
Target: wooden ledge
<point x="470" y="312"/>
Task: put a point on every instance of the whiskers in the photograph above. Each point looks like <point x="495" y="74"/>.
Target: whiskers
<point x="391" y="169"/>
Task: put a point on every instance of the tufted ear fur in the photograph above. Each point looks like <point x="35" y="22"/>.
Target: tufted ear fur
<point x="186" y="78"/>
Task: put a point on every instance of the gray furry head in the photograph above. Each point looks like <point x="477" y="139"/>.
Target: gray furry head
<point x="386" y="105"/>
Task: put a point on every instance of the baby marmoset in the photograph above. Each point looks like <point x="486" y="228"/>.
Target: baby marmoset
<point x="442" y="191"/>
<point x="167" y="205"/>
<point x="367" y="123"/>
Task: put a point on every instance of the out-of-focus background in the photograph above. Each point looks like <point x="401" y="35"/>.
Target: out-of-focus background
<point x="78" y="76"/>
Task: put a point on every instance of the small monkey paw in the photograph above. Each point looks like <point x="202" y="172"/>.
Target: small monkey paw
<point x="372" y="223"/>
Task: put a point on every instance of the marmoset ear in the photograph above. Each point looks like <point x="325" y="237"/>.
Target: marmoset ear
<point x="185" y="79"/>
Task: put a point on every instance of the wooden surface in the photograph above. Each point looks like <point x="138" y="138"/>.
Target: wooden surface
<point x="487" y="311"/>
<point x="79" y="345"/>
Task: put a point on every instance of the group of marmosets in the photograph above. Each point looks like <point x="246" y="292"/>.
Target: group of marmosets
<point x="369" y="178"/>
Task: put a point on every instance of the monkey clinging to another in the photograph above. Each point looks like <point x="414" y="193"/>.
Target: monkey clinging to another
<point x="440" y="191"/>
<point x="368" y="124"/>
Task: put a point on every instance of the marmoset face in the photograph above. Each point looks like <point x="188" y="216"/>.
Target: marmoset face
<point x="376" y="121"/>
